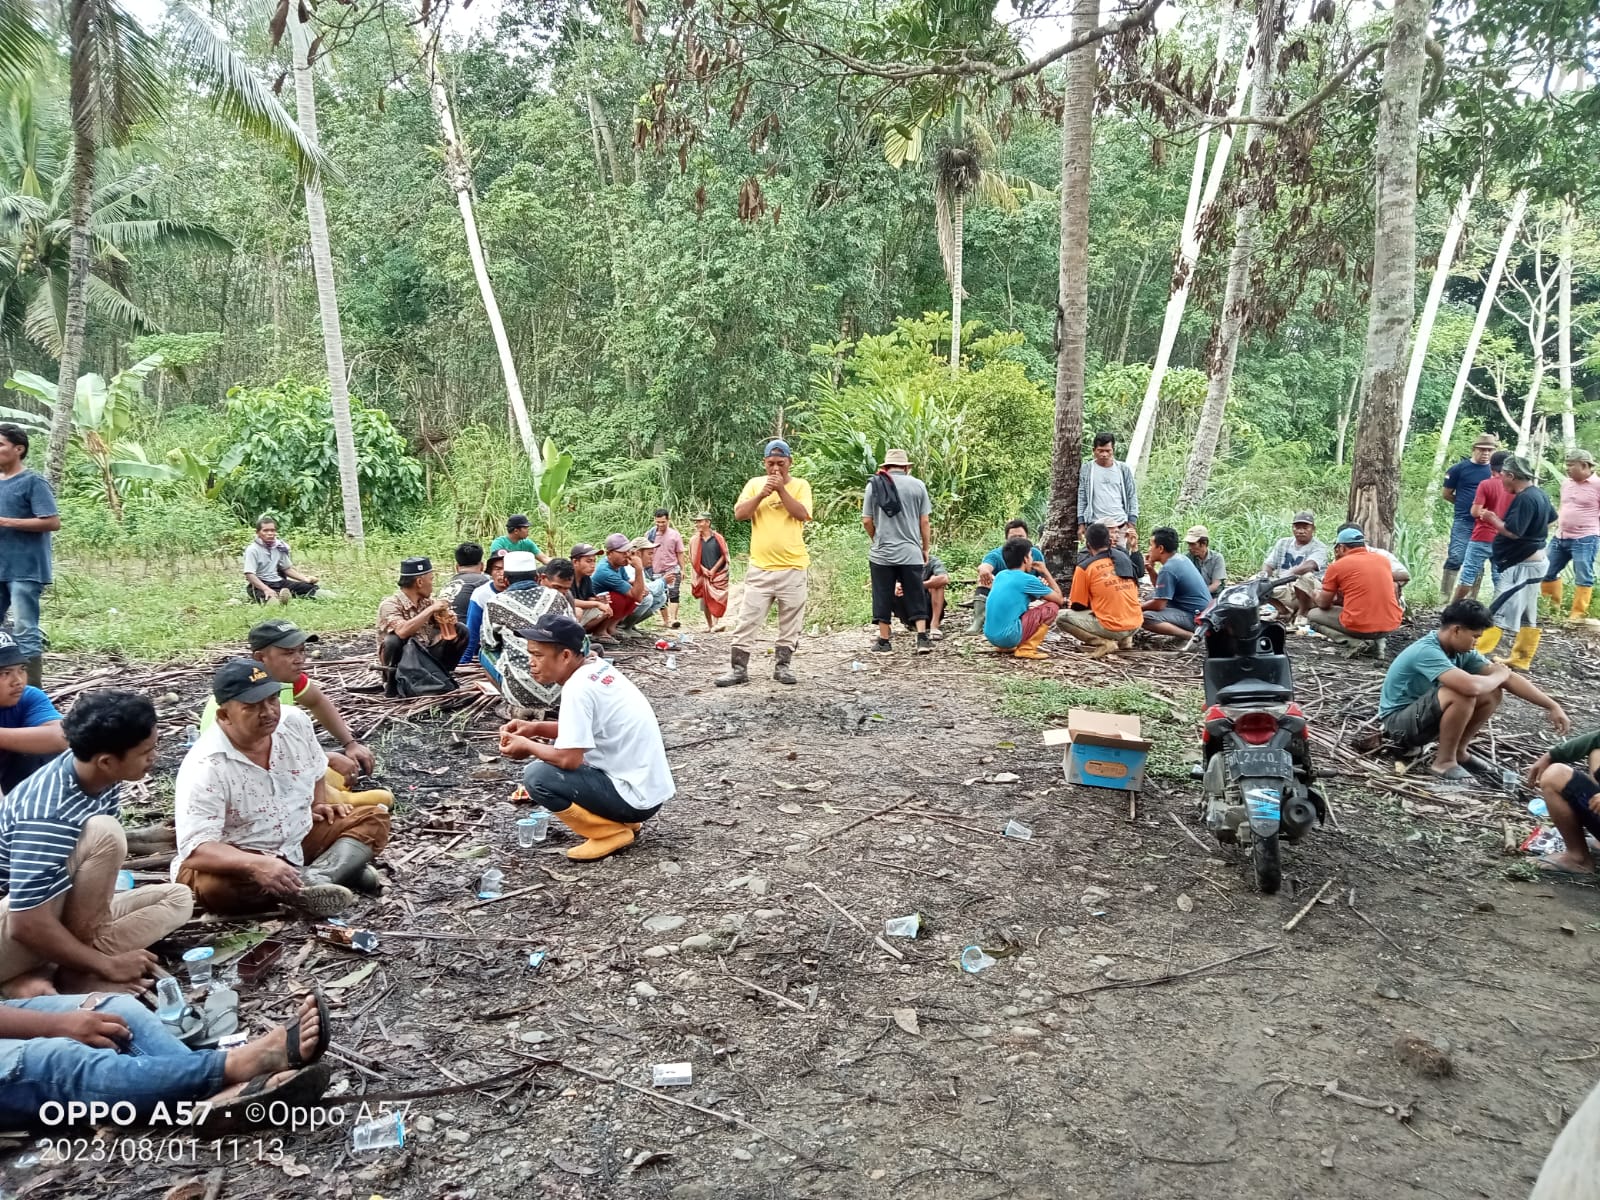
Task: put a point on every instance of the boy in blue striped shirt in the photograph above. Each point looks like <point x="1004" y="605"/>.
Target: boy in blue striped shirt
<point x="63" y="925"/>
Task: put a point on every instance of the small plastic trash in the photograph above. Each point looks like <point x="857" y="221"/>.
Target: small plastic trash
<point x="672" y="662"/>
<point x="169" y="999"/>
<point x="198" y="961"/>
<point x="858" y="665"/>
<point x="191" y="735"/>
<point x="1539" y="808"/>
<point x="530" y="831"/>
<point x="905" y="927"/>
<point x="492" y="885"/>
<point x="973" y="960"/>
<point x="379" y="1134"/>
<point x="672" y="1075"/>
<point x="536" y="959"/>
<point x="124" y="881"/>
<point x="1016" y="829"/>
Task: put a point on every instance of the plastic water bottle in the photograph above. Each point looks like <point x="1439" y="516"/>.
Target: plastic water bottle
<point x="169" y="999"/>
<point x="124" y="881"/>
<point x="380" y="1133"/>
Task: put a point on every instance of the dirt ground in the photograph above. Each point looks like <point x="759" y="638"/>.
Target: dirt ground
<point x="1149" y="1028"/>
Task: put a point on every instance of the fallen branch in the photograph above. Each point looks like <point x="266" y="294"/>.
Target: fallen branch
<point x="848" y="915"/>
<point x="822" y="837"/>
<point x="878" y="938"/>
<point x="783" y="1000"/>
<point x="1190" y="834"/>
<point x="1351" y="903"/>
<point x="1172" y="976"/>
<point x="1310" y="904"/>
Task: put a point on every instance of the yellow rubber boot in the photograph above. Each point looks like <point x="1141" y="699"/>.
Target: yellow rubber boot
<point x="601" y="837"/>
<point x="334" y="783"/>
<point x="1550" y="589"/>
<point x="1030" y="648"/>
<point x="1488" y="640"/>
<point x="1580" y="603"/>
<point x="1522" y="652"/>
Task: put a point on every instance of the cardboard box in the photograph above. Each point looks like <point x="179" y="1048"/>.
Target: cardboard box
<point x="1102" y="750"/>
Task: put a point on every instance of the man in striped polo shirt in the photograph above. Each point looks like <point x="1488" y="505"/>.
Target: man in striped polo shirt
<point x="63" y="925"/>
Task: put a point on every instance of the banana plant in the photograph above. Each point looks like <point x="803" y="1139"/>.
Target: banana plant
<point x="552" y="489"/>
<point x="103" y="414"/>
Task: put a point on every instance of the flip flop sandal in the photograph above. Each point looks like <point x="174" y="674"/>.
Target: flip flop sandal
<point x="1456" y="774"/>
<point x="304" y="1088"/>
<point x="324" y="1034"/>
<point x="1555" y="871"/>
<point x="216" y="1019"/>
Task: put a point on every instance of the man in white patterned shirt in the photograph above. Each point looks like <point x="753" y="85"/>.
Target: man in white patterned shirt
<point x="254" y="824"/>
<point x="63" y="925"/>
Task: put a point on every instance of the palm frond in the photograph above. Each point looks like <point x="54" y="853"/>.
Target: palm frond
<point x="126" y="71"/>
<point x="168" y="230"/>
<point x="903" y="143"/>
<point x="994" y="188"/>
<point x="238" y="94"/>
<point x="115" y="306"/>
<point x="44" y="322"/>
<point x="944" y="197"/>
<point x="23" y="45"/>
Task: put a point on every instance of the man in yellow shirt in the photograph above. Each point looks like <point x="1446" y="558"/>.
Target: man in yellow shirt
<point x="777" y="505"/>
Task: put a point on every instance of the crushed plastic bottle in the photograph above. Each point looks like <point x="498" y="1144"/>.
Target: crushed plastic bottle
<point x="672" y="1074"/>
<point x="380" y="1133"/>
<point x="1016" y="829"/>
<point x="536" y="959"/>
<point x="905" y="927"/>
<point x="492" y="885"/>
<point x="973" y="960"/>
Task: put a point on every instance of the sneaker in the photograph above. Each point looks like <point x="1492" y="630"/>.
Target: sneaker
<point x="924" y="644"/>
<point x="883" y="646"/>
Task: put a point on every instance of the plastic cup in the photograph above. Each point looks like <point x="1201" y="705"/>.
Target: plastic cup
<point x="198" y="962"/>
<point x="973" y="960"/>
<point x="1016" y="829"/>
<point x="527" y="832"/>
<point x="541" y="823"/>
<point x="492" y="885"/>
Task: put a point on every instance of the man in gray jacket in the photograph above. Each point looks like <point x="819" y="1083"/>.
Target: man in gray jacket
<point x="1107" y="494"/>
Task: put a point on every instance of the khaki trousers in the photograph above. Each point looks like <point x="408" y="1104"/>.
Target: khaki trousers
<point x="763" y="589"/>
<point x="92" y="909"/>
<point x="367" y="823"/>
<point x="1085" y="626"/>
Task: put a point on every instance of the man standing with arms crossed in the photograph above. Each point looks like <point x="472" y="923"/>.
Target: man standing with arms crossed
<point x="777" y="506"/>
<point x="895" y="512"/>
<point x="1461" y="489"/>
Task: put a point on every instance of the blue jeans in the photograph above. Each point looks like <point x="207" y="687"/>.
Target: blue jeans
<point x="589" y="788"/>
<point x="1460" y="538"/>
<point x="154" y="1067"/>
<point x="1472" y="565"/>
<point x="1579" y="552"/>
<point x="23" y="594"/>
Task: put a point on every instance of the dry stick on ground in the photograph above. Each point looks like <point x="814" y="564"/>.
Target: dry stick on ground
<point x="1309" y="905"/>
<point x="1171" y="976"/>
<point x="1350" y="901"/>
<point x="822" y="837"/>
<point x="538" y="887"/>
<point x="850" y="916"/>
<point x="1190" y="834"/>
<point x="783" y="1000"/>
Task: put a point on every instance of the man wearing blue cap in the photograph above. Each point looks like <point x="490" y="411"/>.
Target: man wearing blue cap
<point x="777" y="505"/>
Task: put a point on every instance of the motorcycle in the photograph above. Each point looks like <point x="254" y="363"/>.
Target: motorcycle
<point x="1257" y="782"/>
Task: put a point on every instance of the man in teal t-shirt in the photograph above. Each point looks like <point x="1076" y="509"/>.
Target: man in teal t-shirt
<point x="516" y="537"/>
<point x="1012" y="621"/>
<point x="1440" y="689"/>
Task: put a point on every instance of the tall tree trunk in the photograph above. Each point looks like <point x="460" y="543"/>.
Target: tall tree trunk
<point x="459" y="175"/>
<point x="1236" y="294"/>
<point x="305" y="100"/>
<point x="602" y="130"/>
<point x="1430" y="307"/>
<point x="1539" y="319"/>
<point x="1375" y="466"/>
<point x="1569" y="429"/>
<point x="1469" y="355"/>
<point x="1346" y="411"/>
<point x="1189" y="246"/>
<point x="1060" y="538"/>
<point x="77" y="316"/>
<point x="1128" y="307"/>
<point x="957" y="225"/>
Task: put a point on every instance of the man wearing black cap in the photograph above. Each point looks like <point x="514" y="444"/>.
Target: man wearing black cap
<point x="413" y="615"/>
<point x="252" y="812"/>
<point x="30" y="726"/>
<point x="602" y="768"/>
<point x="517" y="537"/>
<point x="1518" y="553"/>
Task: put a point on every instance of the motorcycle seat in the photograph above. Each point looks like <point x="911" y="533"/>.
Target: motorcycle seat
<point x="1252" y="691"/>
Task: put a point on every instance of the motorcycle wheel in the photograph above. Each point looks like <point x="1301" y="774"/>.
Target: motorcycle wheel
<point x="1264" y="859"/>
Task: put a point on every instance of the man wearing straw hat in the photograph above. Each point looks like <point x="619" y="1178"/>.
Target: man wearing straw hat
<point x="1577" y="536"/>
<point x="895" y="512"/>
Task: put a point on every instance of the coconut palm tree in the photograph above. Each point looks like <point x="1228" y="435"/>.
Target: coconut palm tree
<point x="126" y="212"/>
<point x="121" y="75"/>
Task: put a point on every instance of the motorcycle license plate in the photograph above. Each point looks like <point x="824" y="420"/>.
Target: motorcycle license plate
<point x="1247" y="764"/>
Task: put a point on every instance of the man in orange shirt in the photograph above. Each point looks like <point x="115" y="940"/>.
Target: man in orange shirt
<point x="1103" y="606"/>
<point x="1356" y="601"/>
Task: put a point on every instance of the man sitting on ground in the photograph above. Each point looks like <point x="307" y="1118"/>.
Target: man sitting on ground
<point x="523" y="602"/>
<point x="251" y="809"/>
<point x="64" y="1049"/>
<point x="413" y="614"/>
<point x="1565" y="776"/>
<point x="993" y="563"/>
<point x="518" y="536"/>
<point x="63" y="925"/>
<point x="481" y="595"/>
<point x="1206" y="560"/>
<point x="1302" y="556"/>
<point x="30" y="726"/>
<point x="469" y="577"/>
<point x="592" y="609"/>
<point x="1356" y="604"/>
<point x="280" y="647"/>
<point x="1180" y="595"/>
<point x="1023" y="602"/>
<point x="619" y="581"/>
<point x="1440" y="689"/>
<point x="1104" y="602"/>
<point x="935" y="582"/>
<point x="603" y="770"/>
<point x="268" y="574"/>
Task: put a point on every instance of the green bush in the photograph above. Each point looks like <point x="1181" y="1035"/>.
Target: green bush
<point x="280" y="458"/>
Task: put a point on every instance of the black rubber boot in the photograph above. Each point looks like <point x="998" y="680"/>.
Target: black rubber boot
<point x="780" y="668"/>
<point x="740" y="672"/>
